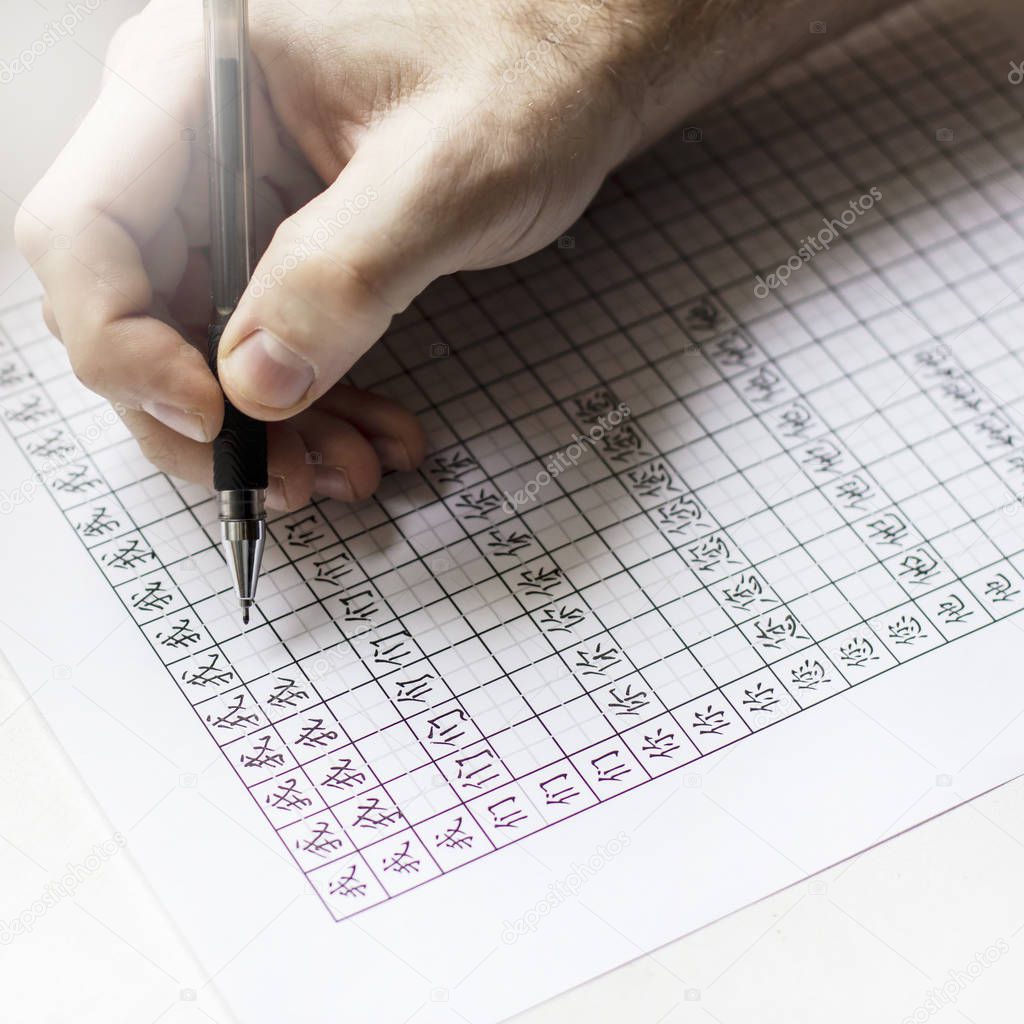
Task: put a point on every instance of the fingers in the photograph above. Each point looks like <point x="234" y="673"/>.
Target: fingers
<point x="345" y="466"/>
<point x="290" y="475"/>
<point x="337" y="449"/>
<point x="100" y="231"/>
<point x="395" y="434"/>
<point x="337" y="271"/>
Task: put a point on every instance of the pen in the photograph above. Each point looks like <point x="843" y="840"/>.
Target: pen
<point x="240" y="450"/>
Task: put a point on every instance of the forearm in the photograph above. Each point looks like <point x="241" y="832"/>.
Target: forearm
<point x="676" y="57"/>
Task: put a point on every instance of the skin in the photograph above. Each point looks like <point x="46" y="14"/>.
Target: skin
<point x="396" y="141"/>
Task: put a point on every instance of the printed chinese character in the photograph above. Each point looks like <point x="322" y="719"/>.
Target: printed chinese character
<point x="540" y="582"/>
<point x="855" y="492"/>
<point x="315" y="734"/>
<point x="710" y="553"/>
<point x="764" y="386"/>
<point x="343" y="774"/>
<point x="333" y="569"/>
<point x="652" y="481"/>
<point x="478" y="504"/>
<point x="322" y="842"/>
<point x="505" y="813"/>
<point x="453" y="468"/>
<point x="775" y="629"/>
<point x="610" y="766"/>
<point x="305" y="533"/>
<point x="760" y="698"/>
<point x="660" y="743"/>
<point x="680" y="514"/>
<point x="809" y="675"/>
<point x="628" y="700"/>
<point x="598" y="661"/>
<point x="795" y="420"/>
<point x="263" y="755"/>
<point x="710" y="722"/>
<point x="733" y="349"/>
<point x="347" y="884"/>
<point x="745" y="591"/>
<point x="477" y="770"/>
<point x="857" y="652"/>
<point x="374" y="814"/>
<point x="918" y="567"/>
<point x="414" y="691"/>
<point x="447" y="729"/>
<point x="153" y="598"/>
<point x="237" y="716"/>
<point x="558" y="790"/>
<point x="287" y="797"/>
<point x="287" y="694"/>
<point x="181" y="634"/>
<point x="999" y="589"/>
<point x="703" y="317"/>
<point x="401" y="861"/>
<point x="823" y="456"/>
<point x="561" y="619"/>
<point x="953" y="611"/>
<point x="77" y="480"/>
<point x="209" y="674"/>
<point x="905" y="630"/>
<point x="454" y="838"/>
<point x="888" y="529"/>
<point x="99" y="523"/>
<point x="507" y="543"/>
<point x="129" y="555"/>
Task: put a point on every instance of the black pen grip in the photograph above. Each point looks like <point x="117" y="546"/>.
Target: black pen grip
<point x="240" y="449"/>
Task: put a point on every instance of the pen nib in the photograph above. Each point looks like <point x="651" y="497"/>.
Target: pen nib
<point x="245" y="615"/>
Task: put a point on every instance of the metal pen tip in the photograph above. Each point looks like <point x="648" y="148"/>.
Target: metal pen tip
<point x="245" y="613"/>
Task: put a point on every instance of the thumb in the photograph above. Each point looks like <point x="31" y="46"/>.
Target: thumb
<point x="337" y="271"/>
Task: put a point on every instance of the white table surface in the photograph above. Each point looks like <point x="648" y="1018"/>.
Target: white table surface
<point x="930" y="923"/>
<point x="868" y="940"/>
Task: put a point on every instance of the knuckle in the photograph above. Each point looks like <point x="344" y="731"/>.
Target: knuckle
<point x="87" y="364"/>
<point x="346" y="283"/>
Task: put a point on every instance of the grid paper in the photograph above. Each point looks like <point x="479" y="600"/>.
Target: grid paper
<point x="659" y="514"/>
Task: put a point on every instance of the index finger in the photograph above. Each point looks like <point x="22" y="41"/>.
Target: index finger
<point x="113" y="189"/>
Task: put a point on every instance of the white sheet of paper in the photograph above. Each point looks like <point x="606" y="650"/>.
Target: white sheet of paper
<point x="708" y="582"/>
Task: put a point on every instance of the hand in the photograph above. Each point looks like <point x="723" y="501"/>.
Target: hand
<point x="450" y="135"/>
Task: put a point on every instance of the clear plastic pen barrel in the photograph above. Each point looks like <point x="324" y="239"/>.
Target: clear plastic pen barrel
<point x="240" y="451"/>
